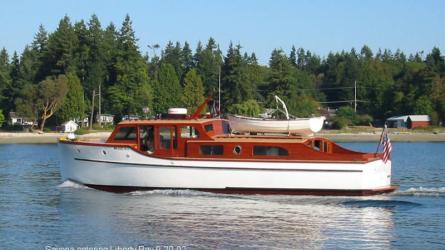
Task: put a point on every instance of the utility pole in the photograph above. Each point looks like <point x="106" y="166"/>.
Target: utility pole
<point x="355" y="96"/>
<point x="99" y="115"/>
<point x="92" y="109"/>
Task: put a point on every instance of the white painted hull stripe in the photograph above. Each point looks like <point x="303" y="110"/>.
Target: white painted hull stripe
<point x="219" y="168"/>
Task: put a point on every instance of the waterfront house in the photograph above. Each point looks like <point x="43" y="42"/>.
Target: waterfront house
<point x="409" y="121"/>
<point x="16" y="119"/>
<point x="69" y="127"/>
<point x="105" y="119"/>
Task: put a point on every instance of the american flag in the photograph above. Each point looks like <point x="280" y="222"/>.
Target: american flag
<point x="386" y="142"/>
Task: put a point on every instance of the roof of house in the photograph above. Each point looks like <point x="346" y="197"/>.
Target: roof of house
<point x="397" y="118"/>
<point x="420" y="118"/>
<point x="414" y="118"/>
<point x="70" y="121"/>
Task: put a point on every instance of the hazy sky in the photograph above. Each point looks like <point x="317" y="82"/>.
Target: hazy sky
<point x="260" y="26"/>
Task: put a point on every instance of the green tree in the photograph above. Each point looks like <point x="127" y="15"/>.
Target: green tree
<point x="247" y="108"/>
<point x="236" y="86"/>
<point x="186" y="57"/>
<point x="5" y="78"/>
<point x="73" y="106"/>
<point x="51" y="93"/>
<point x="172" y="56"/>
<point x="28" y="104"/>
<point x="131" y="77"/>
<point x="193" y="95"/>
<point x="62" y="45"/>
<point x="292" y="85"/>
<point x="423" y="106"/>
<point x="2" y="118"/>
<point x="208" y="62"/>
<point x="167" y="90"/>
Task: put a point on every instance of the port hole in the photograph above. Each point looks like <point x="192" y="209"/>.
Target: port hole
<point x="237" y="150"/>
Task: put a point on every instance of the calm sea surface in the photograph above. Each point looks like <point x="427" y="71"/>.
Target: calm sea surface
<point x="38" y="211"/>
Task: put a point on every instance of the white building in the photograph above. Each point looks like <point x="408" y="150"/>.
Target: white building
<point x="15" y="119"/>
<point x="105" y="119"/>
<point x="69" y="127"/>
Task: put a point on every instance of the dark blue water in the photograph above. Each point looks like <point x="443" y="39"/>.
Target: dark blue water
<point x="37" y="211"/>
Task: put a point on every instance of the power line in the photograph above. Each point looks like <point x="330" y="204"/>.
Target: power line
<point x="349" y="101"/>
<point x="331" y="88"/>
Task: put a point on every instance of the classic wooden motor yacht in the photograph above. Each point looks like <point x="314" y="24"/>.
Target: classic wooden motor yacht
<point x="199" y="153"/>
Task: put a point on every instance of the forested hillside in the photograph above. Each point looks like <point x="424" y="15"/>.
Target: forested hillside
<point x="57" y="74"/>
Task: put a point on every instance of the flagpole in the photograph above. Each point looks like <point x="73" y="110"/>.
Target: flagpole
<point x="380" y="141"/>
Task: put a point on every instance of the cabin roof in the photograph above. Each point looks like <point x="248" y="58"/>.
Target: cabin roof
<point x="258" y="139"/>
<point x="166" y="121"/>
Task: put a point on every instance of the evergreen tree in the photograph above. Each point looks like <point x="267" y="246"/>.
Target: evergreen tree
<point x="39" y="52"/>
<point x="293" y="56"/>
<point x="172" y="55"/>
<point x="208" y="65"/>
<point x="2" y="118"/>
<point x="81" y="51"/>
<point x="193" y="91"/>
<point x="186" y="57"/>
<point x="62" y="45"/>
<point x="131" y="74"/>
<point x="235" y="82"/>
<point x="73" y="106"/>
<point x="5" y="79"/>
<point x="28" y="103"/>
<point x="167" y="90"/>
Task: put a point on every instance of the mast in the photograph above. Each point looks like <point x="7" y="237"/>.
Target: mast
<point x="219" y="90"/>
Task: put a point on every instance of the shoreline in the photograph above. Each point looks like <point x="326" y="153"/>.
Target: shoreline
<point x="45" y="138"/>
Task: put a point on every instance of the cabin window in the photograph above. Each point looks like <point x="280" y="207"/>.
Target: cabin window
<point x="269" y="150"/>
<point x="320" y="145"/>
<point x="212" y="149"/>
<point x="237" y="150"/>
<point x="208" y="127"/>
<point x="189" y="132"/>
<point x="146" y="137"/>
<point x="317" y="145"/>
<point x="126" y="134"/>
<point x="167" y="135"/>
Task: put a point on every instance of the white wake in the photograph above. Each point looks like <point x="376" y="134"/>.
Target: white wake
<point x="72" y="184"/>
<point x="421" y="191"/>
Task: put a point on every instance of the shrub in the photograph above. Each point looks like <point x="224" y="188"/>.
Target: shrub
<point x="247" y="108"/>
<point x="340" y="122"/>
<point x="82" y="131"/>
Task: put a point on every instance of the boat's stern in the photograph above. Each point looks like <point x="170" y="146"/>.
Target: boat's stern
<point x="377" y="177"/>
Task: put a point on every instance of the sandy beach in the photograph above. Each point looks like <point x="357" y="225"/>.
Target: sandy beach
<point x="11" y="137"/>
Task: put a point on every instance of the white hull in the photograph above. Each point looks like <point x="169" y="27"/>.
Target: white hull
<point x="300" y="126"/>
<point x="124" y="167"/>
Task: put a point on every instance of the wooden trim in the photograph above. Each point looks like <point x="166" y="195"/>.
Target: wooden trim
<point x="133" y="147"/>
